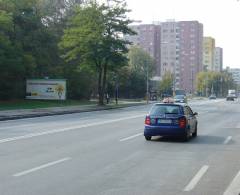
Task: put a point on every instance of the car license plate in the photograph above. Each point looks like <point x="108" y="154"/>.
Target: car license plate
<point x="164" y="121"/>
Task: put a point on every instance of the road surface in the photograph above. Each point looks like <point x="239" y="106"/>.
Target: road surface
<point x="105" y="153"/>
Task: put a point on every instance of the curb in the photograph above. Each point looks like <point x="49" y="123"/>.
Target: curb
<point x="55" y="113"/>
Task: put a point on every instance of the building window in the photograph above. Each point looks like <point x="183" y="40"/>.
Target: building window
<point x="192" y="58"/>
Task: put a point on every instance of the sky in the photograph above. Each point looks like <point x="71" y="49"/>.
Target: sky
<point x="221" y="20"/>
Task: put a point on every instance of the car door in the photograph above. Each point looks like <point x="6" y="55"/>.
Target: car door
<point x="192" y="119"/>
<point x="187" y="115"/>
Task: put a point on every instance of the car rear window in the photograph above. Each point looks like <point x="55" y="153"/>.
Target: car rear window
<point x="165" y="109"/>
<point x="179" y="96"/>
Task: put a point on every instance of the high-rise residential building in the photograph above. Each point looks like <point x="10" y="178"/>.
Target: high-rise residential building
<point x="170" y="50"/>
<point x="177" y="47"/>
<point x="181" y="52"/>
<point x="191" y="53"/>
<point x="235" y="74"/>
<point x="148" y="38"/>
<point x="208" y="53"/>
<point x="218" y="59"/>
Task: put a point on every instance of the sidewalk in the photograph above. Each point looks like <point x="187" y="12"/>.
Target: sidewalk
<point x="31" y="113"/>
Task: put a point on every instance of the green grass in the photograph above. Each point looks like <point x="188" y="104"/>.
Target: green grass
<point x="33" y="104"/>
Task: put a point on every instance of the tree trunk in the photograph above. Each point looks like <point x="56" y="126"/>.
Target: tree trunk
<point x="100" y="88"/>
<point x="104" y="78"/>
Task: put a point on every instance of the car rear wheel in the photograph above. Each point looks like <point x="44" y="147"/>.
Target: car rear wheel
<point x="195" y="132"/>
<point x="186" y="136"/>
<point x="148" y="138"/>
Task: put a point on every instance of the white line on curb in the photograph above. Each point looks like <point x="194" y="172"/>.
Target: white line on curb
<point x="227" y="140"/>
<point x="234" y="187"/>
<point x="196" y="179"/>
<point x="40" y="167"/>
<point x="27" y="136"/>
<point x="130" y="137"/>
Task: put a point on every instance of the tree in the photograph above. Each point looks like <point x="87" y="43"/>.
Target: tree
<point x="166" y="84"/>
<point x="141" y="61"/>
<point x="12" y="69"/>
<point x="93" y="39"/>
<point x="214" y="82"/>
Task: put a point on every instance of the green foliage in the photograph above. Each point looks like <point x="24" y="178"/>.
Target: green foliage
<point x="92" y="39"/>
<point x="11" y="68"/>
<point x="166" y="84"/>
<point x="89" y="36"/>
<point x="132" y="79"/>
<point x="141" y="61"/>
<point x="28" y="47"/>
<point x="214" y="82"/>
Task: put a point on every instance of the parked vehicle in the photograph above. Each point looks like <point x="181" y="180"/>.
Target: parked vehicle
<point x="171" y="119"/>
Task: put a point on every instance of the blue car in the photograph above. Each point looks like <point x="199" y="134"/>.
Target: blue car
<point x="171" y="119"/>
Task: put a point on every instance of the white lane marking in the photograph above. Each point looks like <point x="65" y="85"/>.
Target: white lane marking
<point x="16" y="126"/>
<point x="45" y="124"/>
<point x="130" y="137"/>
<point x="31" y="135"/>
<point x="227" y="140"/>
<point x="234" y="187"/>
<point x="196" y="178"/>
<point x="41" y="167"/>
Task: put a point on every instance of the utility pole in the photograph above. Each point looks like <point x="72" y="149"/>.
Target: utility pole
<point x="116" y="89"/>
<point x="147" y="86"/>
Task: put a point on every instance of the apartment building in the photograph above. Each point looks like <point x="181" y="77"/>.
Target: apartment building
<point x="148" y="38"/>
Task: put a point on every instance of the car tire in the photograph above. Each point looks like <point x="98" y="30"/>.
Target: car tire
<point x="186" y="137"/>
<point x="195" y="132"/>
<point x="148" y="138"/>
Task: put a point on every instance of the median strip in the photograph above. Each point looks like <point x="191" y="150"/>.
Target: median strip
<point x="41" y="167"/>
<point x="196" y="179"/>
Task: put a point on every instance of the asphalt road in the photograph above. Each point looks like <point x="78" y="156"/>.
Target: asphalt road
<point x="105" y="153"/>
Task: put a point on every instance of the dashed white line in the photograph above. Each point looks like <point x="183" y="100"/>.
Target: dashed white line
<point x="234" y="187"/>
<point x="41" y="167"/>
<point x="131" y="137"/>
<point x="27" y="136"/>
<point x="227" y="140"/>
<point x="196" y="179"/>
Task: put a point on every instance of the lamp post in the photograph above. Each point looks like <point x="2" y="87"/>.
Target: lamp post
<point x="116" y="88"/>
<point x="147" y="91"/>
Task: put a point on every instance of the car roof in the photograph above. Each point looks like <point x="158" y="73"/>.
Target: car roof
<point x="172" y="104"/>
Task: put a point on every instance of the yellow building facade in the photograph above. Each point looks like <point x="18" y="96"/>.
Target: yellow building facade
<point x="208" y="53"/>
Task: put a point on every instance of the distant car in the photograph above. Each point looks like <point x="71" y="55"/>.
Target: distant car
<point x="230" y="98"/>
<point x="180" y="99"/>
<point x="171" y="119"/>
<point x="212" y="97"/>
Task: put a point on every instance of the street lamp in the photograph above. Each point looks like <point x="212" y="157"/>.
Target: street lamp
<point x="116" y="88"/>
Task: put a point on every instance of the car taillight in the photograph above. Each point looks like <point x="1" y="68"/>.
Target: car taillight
<point x="147" y="120"/>
<point x="182" y="122"/>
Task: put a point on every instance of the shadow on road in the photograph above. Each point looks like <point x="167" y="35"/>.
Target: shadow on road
<point x="200" y="139"/>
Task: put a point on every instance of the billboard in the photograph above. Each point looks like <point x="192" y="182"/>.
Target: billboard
<point x="46" y="89"/>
